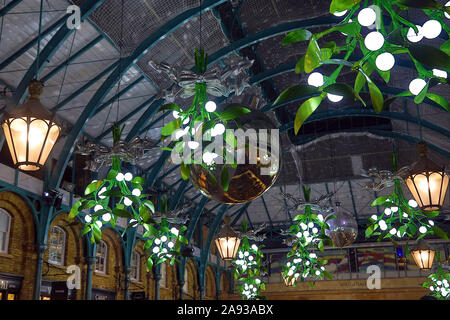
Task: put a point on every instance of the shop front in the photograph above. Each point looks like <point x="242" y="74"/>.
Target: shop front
<point x="10" y="286"/>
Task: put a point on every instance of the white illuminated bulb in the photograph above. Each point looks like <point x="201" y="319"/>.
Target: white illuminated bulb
<point x="99" y="223"/>
<point x="382" y="225"/>
<point x="374" y="217"/>
<point x="412" y="36"/>
<point x="340" y="13"/>
<point x="315" y="230"/>
<point x="170" y="245"/>
<point x="367" y="17"/>
<point x="163" y="238"/>
<point x="320" y="217"/>
<point x="416" y="86"/>
<point x="334" y="97"/>
<point x="374" y="41"/>
<point x="317" y="272"/>
<point x="176" y="114"/>
<point x="157" y="241"/>
<point x="208" y="157"/>
<point x="98" y="207"/>
<point x="155" y="249"/>
<point x="120" y="176"/>
<point x="313" y="255"/>
<point x="100" y="192"/>
<point x="306" y="234"/>
<point x="315" y="79"/>
<point x="136" y="192"/>
<point x="255" y="247"/>
<point x="393" y="231"/>
<point x="405" y="215"/>
<point x="431" y="29"/>
<point x="193" y="145"/>
<point x="387" y="211"/>
<point x="445" y="12"/>
<point x="179" y="133"/>
<point x="127" y="202"/>
<point x="385" y="61"/>
<point x="210" y="106"/>
<point x="174" y="231"/>
<point x="87" y="218"/>
<point x="128" y="176"/>
<point x="422" y="229"/>
<point x="412" y="203"/>
<point x="394" y="209"/>
<point x="303" y="226"/>
<point x="106" y="217"/>
<point x="430" y="222"/>
<point x="299" y="234"/>
<point x="439" y="73"/>
<point x="310" y="224"/>
<point x="186" y="121"/>
<point x="219" y="129"/>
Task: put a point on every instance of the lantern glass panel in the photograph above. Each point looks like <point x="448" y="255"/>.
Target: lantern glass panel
<point x="428" y="189"/>
<point x="423" y="258"/>
<point x="49" y="143"/>
<point x="228" y="247"/>
<point x="9" y="141"/>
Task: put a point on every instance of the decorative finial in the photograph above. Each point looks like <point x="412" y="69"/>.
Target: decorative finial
<point x="422" y="148"/>
<point x="35" y="89"/>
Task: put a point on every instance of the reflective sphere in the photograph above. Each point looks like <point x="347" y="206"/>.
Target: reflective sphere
<point x="343" y="229"/>
<point x="248" y="180"/>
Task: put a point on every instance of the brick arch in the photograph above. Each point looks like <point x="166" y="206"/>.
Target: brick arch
<point x="145" y="278"/>
<point x="224" y="283"/>
<point x="192" y="279"/>
<point x="21" y="257"/>
<point x="210" y="284"/>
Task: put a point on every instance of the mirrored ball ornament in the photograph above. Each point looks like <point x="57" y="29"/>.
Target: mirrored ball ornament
<point x="343" y="229"/>
<point x="250" y="178"/>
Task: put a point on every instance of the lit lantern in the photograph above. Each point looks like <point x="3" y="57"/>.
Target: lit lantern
<point x="427" y="181"/>
<point x="423" y="255"/>
<point x="227" y="241"/>
<point x="30" y="131"/>
<point x="287" y="282"/>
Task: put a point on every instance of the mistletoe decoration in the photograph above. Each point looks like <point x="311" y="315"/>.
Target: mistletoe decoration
<point x="119" y="194"/>
<point x="401" y="218"/>
<point x="438" y="284"/>
<point x="249" y="269"/>
<point x="307" y="233"/>
<point x="366" y="52"/>
<point x="200" y="120"/>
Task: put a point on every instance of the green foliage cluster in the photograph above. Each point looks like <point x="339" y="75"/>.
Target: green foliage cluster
<point x="438" y="284"/>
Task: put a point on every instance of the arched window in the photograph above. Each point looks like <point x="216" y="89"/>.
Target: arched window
<point x="186" y="278"/>
<point x="163" y="271"/>
<point x="5" y="227"/>
<point x="101" y="254"/>
<point x="56" y="246"/>
<point x="135" y="266"/>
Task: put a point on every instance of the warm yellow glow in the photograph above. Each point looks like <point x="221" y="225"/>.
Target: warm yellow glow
<point x="423" y="258"/>
<point x="428" y="192"/>
<point x="19" y="134"/>
<point x="228" y="247"/>
<point x="291" y="282"/>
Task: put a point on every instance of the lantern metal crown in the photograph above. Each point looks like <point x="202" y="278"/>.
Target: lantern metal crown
<point x="30" y="131"/>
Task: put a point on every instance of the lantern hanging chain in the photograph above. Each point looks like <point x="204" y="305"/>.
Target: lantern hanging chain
<point x="39" y="40"/>
<point x="419" y="122"/>
<point x="200" y="24"/>
<point x="120" y="65"/>
<point x="1" y="25"/>
<point x="67" y="66"/>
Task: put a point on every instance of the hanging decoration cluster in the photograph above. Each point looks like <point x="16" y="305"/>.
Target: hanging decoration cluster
<point x="307" y="232"/>
<point x="120" y="195"/>
<point x="249" y="269"/>
<point x="376" y="32"/>
<point x="438" y="284"/>
<point x="400" y="217"/>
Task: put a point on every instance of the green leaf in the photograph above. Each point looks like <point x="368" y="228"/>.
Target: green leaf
<point x="369" y="231"/>
<point x="360" y="81"/>
<point x="139" y="180"/>
<point x="170" y="128"/>
<point x="92" y="187"/>
<point x="294" y="92"/>
<point x="170" y="106"/>
<point x="185" y="171"/>
<point x="430" y="56"/>
<point x="112" y="174"/>
<point x="313" y="55"/>
<point x="306" y="109"/>
<point x="85" y="230"/>
<point x="233" y="113"/>
<point x="320" y="246"/>
<point x="420" y="4"/>
<point x="224" y="178"/>
<point x="375" y="95"/>
<point x="74" y="210"/>
<point x="300" y="66"/>
<point x="351" y="28"/>
<point x="342" y="5"/>
<point x="379" y="201"/>
<point x="296" y="36"/>
<point x="122" y="213"/>
<point x="422" y="94"/>
<point x="149" y="264"/>
<point x="230" y="138"/>
<point x="446" y="46"/>
<point x="440" y="233"/>
<point x="344" y="90"/>
<point x="87" y="205"/>
<point x="439" y="100"/>
<point x="328" y="275"/>
<point x="149" y="205"/>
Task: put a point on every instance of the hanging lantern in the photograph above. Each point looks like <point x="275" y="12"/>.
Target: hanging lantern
<point x="427" y="181"/>
<point x="287" y="282"/>
<point x="30" y="131"/>
<point x="343" y="229"/>
<point x="423" y="255"/>
<point x="227" y="241"/>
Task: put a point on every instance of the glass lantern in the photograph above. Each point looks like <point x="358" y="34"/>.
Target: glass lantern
<point x="227" y="241"/>
<point x="343" y="229"/>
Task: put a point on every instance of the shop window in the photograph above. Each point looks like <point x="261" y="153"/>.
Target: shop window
<point x="135" y="266"/>
<point x="5" y="226"/>
<point x="56" y="246"/>
<point x="163" y="271"/>
<point x="101" y="252"/>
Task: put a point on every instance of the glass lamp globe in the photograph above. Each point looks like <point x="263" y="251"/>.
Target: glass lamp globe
<point x="343" y="229"/>
<point x="315" y="79"/>
<point x="423" y="255"/>
<point x="258" y="164"/>
<point x="210" y="106"/>
<point x="445" y="12"/>
<point x="385" y="61"/>
<point x="227" y="241"/>
<point x="374" y="41"/>
<point x="431" y="29"/>
<point x="412" y="36"/>
<point x="30" y="131"/>
<point x="334" y="97"/>
<point x="439" y="73"/>
<point x="367" y="17"/>
<point x="416" y="85"/>
<point x="427" y="181"/>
